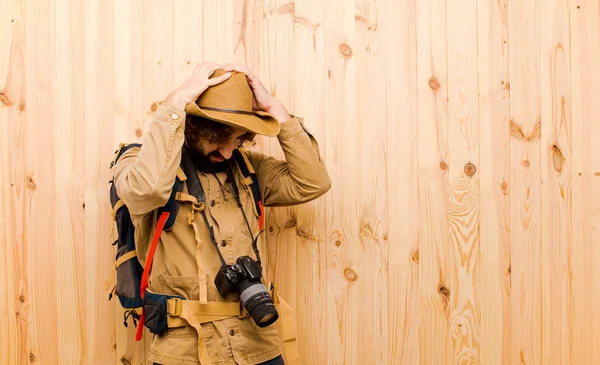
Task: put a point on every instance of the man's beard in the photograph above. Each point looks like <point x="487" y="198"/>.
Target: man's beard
<point x="203" y="162"/>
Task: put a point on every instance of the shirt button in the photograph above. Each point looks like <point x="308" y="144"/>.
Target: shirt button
<point x="231" y="332"/>
<point x="174" y="116"/>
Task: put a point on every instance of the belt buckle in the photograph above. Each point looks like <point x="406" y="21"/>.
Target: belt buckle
<point x="174" y="307"/>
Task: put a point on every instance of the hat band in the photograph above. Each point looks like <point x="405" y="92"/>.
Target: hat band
<point x="227" y="110"/>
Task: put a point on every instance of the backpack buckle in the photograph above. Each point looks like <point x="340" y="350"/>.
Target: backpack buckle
<point x="174" y="306"/>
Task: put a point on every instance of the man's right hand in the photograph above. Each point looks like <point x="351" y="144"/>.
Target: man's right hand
<point x="193" y="87"/>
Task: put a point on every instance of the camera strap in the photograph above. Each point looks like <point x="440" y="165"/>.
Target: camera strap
<point x="236" y="194"/>
<point x="195" y="189"/>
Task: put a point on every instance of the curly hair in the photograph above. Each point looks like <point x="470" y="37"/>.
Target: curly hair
<point x="197" y="128"/>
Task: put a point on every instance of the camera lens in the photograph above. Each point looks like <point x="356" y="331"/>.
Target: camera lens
<point x="258" y="303"/>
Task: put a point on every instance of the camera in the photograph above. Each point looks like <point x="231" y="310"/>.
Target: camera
<point x="245" y="276"/>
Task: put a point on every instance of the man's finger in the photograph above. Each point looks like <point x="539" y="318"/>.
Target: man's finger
<point x="217" y="80"/>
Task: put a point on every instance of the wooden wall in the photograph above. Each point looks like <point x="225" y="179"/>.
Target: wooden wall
<point x="462" y="137"/>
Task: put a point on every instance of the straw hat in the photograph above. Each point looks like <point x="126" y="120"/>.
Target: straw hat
<point x="230" y="102"/>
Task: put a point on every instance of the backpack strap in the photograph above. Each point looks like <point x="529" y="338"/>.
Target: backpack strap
<point x="250" y="181"/>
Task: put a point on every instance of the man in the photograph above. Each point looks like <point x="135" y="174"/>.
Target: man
<point x="206" y="119"/>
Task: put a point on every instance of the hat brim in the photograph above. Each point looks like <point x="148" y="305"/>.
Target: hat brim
<point x="259" y="122"/>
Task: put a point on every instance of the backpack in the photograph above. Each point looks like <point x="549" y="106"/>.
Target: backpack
<point x="130" y="275"/>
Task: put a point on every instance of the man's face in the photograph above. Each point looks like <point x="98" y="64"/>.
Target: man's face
<point x="211" y="157"/>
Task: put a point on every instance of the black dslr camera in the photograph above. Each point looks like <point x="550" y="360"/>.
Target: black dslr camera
<point x="245" y="276"/>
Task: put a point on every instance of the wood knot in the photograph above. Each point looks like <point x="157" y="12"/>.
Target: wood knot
<point x="22" y="298"/>
<point x="21" y="107"/>
<point x="290" y="223"/>
<point x="338" y="243"/>
<point x="138" y="132"/>
<point x="443" y="166"/>
<point x="153" y="107"/>
<point x="4" y="99"/>
<point x="444" y="291"/>
<point x="415" y="257"/>
<point x="445" y="294"/>
<point x="508" y="271"/>
<point x="271" y="229"/>
<point x="504" y="186"/>
<point x="595" y="173"/>
<point x="434" y="84"/>
<point x="557" y="158"/>
<point x="470" y="169"/>
<point x="350" y="274"/>
<point x="385" y="237"/>
<point x="525" y="163"/>
<point x="31" y="357"/>
<point x="30" y="183"/>
<point x="346" y="50"/>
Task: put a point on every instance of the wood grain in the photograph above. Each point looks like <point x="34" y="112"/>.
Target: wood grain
<point x="495" y="183"/>
<point x="371" y="203"/>
<point x="100" y="345"/>
<point x="277" y="35"/>
<point x="556" y="165"/>
<point x="129" y="114"/>
<point x="463" y="180"/>
<point x="525" y="144"/>
<point x="14" y="305"/>
<point x="403" y="309"/>
<point x="311" y="225"/>
<point x="436" y="274"/>
<point x="341" y="157"/>
<point x="585" y="81"/>
<point x="40" y="228"/>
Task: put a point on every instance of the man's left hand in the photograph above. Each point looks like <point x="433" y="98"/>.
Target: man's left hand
<point x="262" y="99"/>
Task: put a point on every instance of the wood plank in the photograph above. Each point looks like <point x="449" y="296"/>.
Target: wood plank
<point x="403" y="238"/>
<point x="585" y="112"/>
<point x="14" y="306"/>
<point x="463" y="146"/>
<point x="312" y="222"/>
<point x="69" y="136"/>
<point x="40" y="227"/>
<point x="556" y="165"/>
<point x="371" y="201"/>
<point x="100" y="346"/>
<point x="525" y="129"/>
<point x="279" y="240"/>
<point x="494" y="171"/>
<point x="435" y="252"/>
<point x="128" y="116"/>
<point x="341" y="156"/>
<point x="157" y="39"/>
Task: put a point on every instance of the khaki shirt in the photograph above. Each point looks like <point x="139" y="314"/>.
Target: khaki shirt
<point x="184" y="265"/>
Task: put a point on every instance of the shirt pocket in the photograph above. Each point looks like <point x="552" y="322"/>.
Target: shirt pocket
<point x="251" y="213"/>
<point x="187" y="286"/>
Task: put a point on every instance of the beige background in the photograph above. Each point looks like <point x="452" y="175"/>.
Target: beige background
<point x="462" y="137"/>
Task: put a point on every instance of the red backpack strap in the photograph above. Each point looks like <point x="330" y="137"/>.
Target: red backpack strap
<point x="144" y="284"/>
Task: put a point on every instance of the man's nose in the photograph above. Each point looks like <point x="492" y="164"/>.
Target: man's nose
<point x="226" y="150"/>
